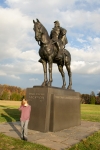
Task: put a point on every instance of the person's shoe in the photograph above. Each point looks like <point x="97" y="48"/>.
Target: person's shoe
<point x="22" y="138"/>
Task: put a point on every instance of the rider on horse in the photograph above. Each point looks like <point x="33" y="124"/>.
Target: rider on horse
<point x="58" y="36"/>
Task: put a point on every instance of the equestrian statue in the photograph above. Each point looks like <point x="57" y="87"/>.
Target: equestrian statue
<point x="52" y="50"/>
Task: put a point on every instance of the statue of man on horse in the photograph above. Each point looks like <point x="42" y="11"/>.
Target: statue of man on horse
<point x="58" y="36"/>
<point x="52" y="50"/>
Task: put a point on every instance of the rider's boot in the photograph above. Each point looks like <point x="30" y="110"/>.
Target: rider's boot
<point x="59" y="55"/>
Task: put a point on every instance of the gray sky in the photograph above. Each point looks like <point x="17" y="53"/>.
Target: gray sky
<point x="19" y="64"/>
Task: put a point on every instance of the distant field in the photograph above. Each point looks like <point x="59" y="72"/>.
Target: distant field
<point x="10" y="103"/>
<point x="90" y="112"/>
<point x="9" y="111"/>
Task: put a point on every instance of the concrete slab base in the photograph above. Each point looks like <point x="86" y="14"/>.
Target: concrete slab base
<point x="56" y="140"/>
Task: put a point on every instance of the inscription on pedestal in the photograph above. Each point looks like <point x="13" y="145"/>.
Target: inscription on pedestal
<point x="38" y="96"/>
<point x="66" y="97"/>
<point x="65" y="112"/>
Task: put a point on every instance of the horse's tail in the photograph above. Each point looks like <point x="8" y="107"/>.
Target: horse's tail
<point x="67" y="53"/>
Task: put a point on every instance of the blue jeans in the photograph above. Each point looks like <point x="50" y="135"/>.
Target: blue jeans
<point x="24" y="128"/>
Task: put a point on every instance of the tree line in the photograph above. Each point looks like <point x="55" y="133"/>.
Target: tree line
<point x="90" y="98"/>
<point x="14" y="93"/>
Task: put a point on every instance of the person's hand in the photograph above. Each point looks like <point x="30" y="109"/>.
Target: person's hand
<point x="25" y="103"/>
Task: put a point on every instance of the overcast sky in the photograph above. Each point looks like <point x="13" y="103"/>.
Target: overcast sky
<point x="19" y="64"/>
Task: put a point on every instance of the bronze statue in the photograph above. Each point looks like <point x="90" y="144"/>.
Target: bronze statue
<point x="52" y="50"/>
<point x="58" y="36"/>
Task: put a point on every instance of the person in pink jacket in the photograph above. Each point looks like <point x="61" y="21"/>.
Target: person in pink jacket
<point x="25" y="109"/>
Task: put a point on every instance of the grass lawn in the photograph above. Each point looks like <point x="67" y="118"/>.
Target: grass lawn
<point x="9" y="143"/>
<point x="90" y="143"/>
<point x="9" y="112"/>
<point x="90" y="112"/>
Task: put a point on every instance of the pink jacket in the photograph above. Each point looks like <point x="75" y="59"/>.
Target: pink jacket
<point x="25" y="112"/>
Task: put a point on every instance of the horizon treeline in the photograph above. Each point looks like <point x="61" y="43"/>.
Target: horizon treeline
<point x="90" y="98"/>
<point x="14" y="93"/>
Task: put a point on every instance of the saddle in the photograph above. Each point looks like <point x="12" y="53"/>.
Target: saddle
<point x="62" y="53"/>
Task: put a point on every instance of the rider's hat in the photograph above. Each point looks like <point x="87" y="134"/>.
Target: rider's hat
<point x="57" y="22"/>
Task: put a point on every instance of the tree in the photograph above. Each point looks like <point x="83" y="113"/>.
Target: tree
<point x="16" y="96"/>
<point x="85" y="98"/>
<point x="92" y="98"/>
<point x="8" y="92"/>
<point x="92" y="93"/>
<point x="98" y="94"/>
<point x="98" y="100"/>
<point x="5" y="95"/>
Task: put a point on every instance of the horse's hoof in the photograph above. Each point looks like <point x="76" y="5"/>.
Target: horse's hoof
<point x="49" y="83"/>
<point x="63" y="87"/>
<point x="69" y="87"/>
<point x="43" y="84"/>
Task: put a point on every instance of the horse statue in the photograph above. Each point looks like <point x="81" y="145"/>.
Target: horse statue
<point x="49" y="54"/>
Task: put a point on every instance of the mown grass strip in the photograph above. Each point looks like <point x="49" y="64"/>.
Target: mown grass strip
<point x="9" y="114"/>
<point x="90" y="112"/>
<point x="9" y="143"/>
<point x="90" y="143"/>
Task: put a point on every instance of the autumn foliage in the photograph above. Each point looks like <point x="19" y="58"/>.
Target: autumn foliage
<point x="11" y="93"/>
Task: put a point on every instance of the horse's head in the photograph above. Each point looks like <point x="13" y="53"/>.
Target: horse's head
<point x="41" y="34"/>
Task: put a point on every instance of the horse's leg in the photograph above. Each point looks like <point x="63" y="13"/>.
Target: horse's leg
<point x="44" y="63"/>
<point x="50" y="71"/>
<point x="60" y="67"/>
<point x="69" y="74"/>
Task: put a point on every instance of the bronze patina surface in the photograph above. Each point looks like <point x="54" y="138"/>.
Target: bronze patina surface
<point x="52" y="50"/>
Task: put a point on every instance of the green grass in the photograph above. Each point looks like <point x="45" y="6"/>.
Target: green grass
<point x="90" y="143"/>
<point x="8" y="143"/>
<point x="9" y="114"/>
<point x="90" y="112"/>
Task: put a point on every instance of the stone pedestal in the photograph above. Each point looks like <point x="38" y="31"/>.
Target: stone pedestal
<point x="53" y="109"/>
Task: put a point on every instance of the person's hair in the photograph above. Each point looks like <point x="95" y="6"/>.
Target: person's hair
<point x="24" y="99"/>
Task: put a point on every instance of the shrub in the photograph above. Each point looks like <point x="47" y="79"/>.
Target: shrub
<point x="92" y="100"/>
<point x="16" y="96"/>
<point x="5" y="96"/>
